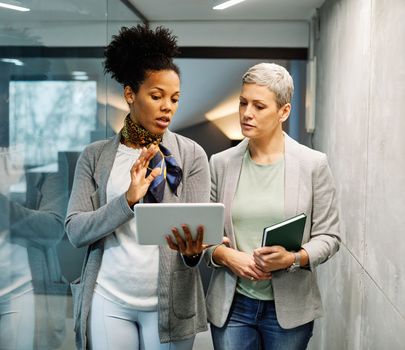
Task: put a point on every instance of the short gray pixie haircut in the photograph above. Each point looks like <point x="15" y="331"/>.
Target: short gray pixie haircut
<point x="275" y="77"/>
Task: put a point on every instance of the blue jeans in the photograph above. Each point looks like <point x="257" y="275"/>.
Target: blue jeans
<point x="252" y="324"/>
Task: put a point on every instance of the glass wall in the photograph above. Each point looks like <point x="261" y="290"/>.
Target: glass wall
<point x="54" y="100"/>
<point x="52" y="104"/>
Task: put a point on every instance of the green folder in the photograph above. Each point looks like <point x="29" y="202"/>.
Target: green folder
<point x="287" y="233"/>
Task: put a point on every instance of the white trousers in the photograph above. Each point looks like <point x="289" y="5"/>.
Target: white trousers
<point x="113" y="326"/>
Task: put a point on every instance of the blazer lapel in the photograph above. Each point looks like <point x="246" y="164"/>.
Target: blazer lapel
<point x="232" y="173"/>
<point x="292" y="179"/>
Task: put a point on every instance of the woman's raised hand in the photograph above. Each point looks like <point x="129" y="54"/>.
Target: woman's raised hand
<point x="139" y="183"/>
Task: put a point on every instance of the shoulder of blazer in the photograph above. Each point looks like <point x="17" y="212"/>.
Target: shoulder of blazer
<point x="230" y="153"/>
<point x="301" y="152"/>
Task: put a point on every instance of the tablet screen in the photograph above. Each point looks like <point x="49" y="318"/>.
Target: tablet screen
<point x="155" y="220"/>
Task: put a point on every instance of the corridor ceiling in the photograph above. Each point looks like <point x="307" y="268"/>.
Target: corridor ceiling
<point x="205" y="83"/>
<point x="161" y="10"/>
<point x="250" y="10"/>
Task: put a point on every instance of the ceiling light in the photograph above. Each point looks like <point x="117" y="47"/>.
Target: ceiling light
<point x="13" y="60"/>
<point x="78" y="73"/>
<point x="81" y="77"/>
<point x="225" y="116"/>
<point x="222" y="5"/>
<point x="229" y="126"/>
<point x="14" y="7"/>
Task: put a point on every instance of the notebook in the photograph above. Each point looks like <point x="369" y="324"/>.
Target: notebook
<point x="287" y="233"/>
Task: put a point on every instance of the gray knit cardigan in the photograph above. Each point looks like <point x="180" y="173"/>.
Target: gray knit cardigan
<point x="181" y="305"/>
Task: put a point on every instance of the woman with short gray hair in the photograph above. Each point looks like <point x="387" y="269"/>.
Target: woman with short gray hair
<point x="276" y="78"/>
<point x="267" y="297"/>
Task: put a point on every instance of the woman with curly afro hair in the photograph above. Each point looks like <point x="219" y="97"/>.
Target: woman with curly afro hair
<point x="131" y="296"/>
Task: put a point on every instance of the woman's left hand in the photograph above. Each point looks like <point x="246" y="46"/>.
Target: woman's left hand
<point x="187" y="246"/>
<point x="273" y="258"/>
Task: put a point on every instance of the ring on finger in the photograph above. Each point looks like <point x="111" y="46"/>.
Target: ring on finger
<point x="252" y="278"/>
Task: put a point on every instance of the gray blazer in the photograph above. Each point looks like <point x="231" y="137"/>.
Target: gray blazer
<point x="309" y="189"/>
<point x="90" y="219"/>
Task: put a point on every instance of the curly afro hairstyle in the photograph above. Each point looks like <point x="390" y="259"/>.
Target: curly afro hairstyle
<point x="138" y="50"/>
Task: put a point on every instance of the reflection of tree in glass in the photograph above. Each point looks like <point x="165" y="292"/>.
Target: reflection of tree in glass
<point x="20" y="37"/>
<point x="53" y="115"/>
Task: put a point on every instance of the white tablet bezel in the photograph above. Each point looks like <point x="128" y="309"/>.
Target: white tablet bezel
<point x="155" y="220"/>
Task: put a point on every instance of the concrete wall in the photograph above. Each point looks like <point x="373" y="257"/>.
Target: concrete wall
<point x="360" y="125"/>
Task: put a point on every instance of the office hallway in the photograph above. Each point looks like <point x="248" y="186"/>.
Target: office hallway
<point x="346" y="58"/>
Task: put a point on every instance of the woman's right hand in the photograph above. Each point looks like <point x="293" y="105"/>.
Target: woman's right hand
<point x="240" y="263"/>
<point x="139" y="183"/>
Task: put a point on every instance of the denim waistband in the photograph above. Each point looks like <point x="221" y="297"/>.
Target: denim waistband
<point x="242" y="296"/>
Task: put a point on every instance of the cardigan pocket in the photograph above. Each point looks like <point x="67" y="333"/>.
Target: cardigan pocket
<point x="184" y="289"/>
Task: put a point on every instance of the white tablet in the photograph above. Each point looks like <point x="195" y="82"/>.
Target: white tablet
<point x="155" y="220"/>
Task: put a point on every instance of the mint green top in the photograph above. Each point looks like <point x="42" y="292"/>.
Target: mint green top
<point x="258" y="202"/>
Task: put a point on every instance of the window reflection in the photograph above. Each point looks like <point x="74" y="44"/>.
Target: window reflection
<point x="52" y="115"/>
<point x="32" y="288"/>
<point x="42" y="132"/>
<point x="49" y="110"/>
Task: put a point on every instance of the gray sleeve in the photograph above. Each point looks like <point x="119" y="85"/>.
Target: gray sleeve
<point x="325" y="239"/>
<point x="208" y="253"/>
<point x="198" y="178"/>
<point x="86" y="222"/>
<point x="197" y="189"/>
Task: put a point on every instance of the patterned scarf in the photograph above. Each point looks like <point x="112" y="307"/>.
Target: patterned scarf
<point x="138" y="135"/>
<point x="170" y="171"/>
